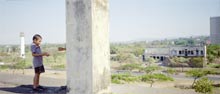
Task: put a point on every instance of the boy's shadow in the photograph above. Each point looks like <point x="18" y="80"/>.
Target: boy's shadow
<point x="27" y="89"/>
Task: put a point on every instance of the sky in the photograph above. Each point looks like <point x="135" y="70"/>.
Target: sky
<point x="130" y="20"/>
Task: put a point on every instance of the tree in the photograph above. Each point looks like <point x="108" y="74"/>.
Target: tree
<point x="213" y="52"/>
<point x="152" y="78"/>
<point x="151" y="69"/>
<point x="196" y="74"/>
<point x="203" y="85"/>
<point x="138" y="51"/>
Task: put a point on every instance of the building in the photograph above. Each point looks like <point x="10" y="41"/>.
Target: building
<point x="215" y="30"/>
<point x="179" y="51"/>
<point x="22" y="45"/>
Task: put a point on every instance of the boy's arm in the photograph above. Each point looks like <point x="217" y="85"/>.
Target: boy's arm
<point x="43" y="54"/>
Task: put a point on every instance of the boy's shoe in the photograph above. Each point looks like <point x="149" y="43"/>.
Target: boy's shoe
<point x="40" y="87"/>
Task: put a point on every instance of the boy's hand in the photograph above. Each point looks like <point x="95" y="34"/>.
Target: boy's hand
<point x="46" y="54"/>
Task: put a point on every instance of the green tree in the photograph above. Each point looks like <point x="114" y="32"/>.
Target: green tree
<point x="196" y="74"/>
<point x="213" y="52"/>
<point x="152" y="78"/>
<point x="138" y="51"/>
<point x="203" y="85"/>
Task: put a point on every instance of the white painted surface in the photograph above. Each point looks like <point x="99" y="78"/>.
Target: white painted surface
<point x="88" y="69"/>
<point x="22" y="46"/>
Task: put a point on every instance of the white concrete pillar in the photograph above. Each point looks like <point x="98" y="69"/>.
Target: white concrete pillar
<point x="22" y="45"/>
<point x="88" y="55"/>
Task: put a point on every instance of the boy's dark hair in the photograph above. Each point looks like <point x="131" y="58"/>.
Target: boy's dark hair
<point x="36" y="36"/>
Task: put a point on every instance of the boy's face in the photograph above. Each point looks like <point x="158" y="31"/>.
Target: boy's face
<point x="37" y="41"/>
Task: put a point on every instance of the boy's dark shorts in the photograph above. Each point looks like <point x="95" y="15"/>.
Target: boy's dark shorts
<point x="39" y="69"/>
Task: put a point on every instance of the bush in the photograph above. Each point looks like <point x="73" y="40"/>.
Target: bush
<point x="123" y="78"/>
<point x="213" y="51"/>
<point x="196" y="62"/>
<point x="151" y="69"/>
<point x="178" y="62"/>
<point x="203" y="86"/>
<point x="131" y="67"/>
<point x="196" y="74"/>
<point x="171" y="71"/>
<point x="152" y="78"/>
<point x="126" y="58"/>
<point x="212" y="71"/>
<point x="214" y="65"/>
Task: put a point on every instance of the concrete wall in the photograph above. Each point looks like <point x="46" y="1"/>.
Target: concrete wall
<point x="88" y="68"/>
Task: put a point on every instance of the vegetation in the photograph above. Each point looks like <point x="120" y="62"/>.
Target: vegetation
<point x="171" y="71"/>
<point x="203" y="85"/>
<point x="196" y="74"/>
<point x="151" y="61"/>
<point x="131" y="67"/>
<point x="179" y="62"/>
<point x="152" y="78"/>
<point x="196" y="62"/>
<point x="151" y="69"/>
<point x="123" y="78"/>
<point x="213" y="52"/>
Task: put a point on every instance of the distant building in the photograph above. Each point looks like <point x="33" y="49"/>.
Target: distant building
<point x="22" y="45"/>
<point x="215" y="30"/>
<point x="178" y="51"/>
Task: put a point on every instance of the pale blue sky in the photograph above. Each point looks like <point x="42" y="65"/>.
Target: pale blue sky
<point x="129" y="19"/>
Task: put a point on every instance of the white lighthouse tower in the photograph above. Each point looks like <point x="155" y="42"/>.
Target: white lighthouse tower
<point x="22" y="46"/>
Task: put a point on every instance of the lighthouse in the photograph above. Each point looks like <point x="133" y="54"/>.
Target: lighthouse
<point x="22" y="45"/>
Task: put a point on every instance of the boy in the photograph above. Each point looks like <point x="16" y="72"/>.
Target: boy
<point x="37" y="61"/>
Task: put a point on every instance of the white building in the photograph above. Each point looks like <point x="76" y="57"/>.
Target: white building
<point x="178" y="51"/>
<point x="22" y="45"/>
<point x="215" y="30"/>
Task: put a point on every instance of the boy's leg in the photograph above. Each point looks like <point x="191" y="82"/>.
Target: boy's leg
<point x="36" y="80"/>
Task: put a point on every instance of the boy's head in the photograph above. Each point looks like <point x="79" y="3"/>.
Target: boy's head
<point x="37" y="39"/>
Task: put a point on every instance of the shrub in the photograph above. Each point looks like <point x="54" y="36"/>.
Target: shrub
<point x="123" y="78"/>
<point x="171" y="71"/>
<point x="152" y="78"/>
<point x="131" y="66"/>
<point x="196" y="74"/>
<point x="203" y="86"/>
<point x="196" y="62"/>
<point x="151" y="69"/>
